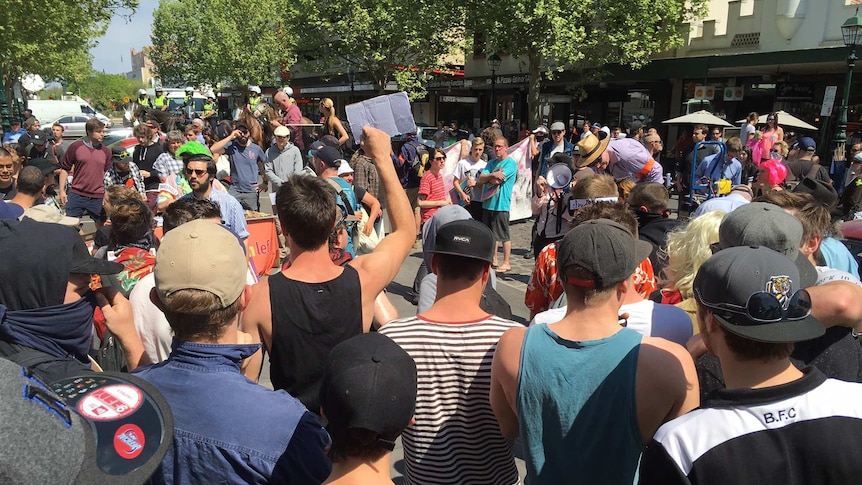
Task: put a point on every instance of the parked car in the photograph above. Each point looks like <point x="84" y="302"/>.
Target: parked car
<point x="425" y="134"/>
<point x="73" y="125"/>
<point x="118" y="134"/>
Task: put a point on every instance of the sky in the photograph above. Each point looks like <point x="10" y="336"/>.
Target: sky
<point x="112" y="53"/>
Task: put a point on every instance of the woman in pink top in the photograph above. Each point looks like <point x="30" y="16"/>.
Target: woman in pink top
<point x="770" y="135"/>
<point x="432" y="191"/>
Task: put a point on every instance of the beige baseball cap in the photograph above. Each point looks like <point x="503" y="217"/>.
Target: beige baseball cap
<point x="200" y="255"/>
<point x="43" y="213"/>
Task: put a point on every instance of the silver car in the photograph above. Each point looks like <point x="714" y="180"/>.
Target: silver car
<point x="73" y="125"/>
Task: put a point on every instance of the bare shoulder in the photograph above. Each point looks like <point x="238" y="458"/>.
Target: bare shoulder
<point x="508" y="351"/>
<point x="664" y="361"/>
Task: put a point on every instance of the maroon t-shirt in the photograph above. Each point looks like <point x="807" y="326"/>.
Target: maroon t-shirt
<point x="90" y="165"/>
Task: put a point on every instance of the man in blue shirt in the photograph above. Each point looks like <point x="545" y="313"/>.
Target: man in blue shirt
<point x="228" y="429"/>
<point x="246" y="166"/>
<point x="200" y="170"/>
<point x="729" y="168"/>
<point x="501" y="171"/>
<point x="15" y="132"/>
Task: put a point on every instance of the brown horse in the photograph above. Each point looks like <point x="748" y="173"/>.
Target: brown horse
<point x="166" y="120"/>
<point x="255" y="132"/>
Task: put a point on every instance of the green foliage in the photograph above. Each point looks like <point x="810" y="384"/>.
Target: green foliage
<point x="210" y="41"/>
<point x="554" y="35"/>
<point x="105" y="91"/>
<point x="53" y="39"/>
<point x="384" y="40"/>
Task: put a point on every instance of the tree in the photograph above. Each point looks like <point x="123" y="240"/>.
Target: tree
<point x="554" y="35"/>
<point x="381" y="40"/>
<point x="199" y="42"/>
<point x="51" y="39"/>
<point x="106" y="91"/>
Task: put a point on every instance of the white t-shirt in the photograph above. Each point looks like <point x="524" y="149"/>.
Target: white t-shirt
<point x="645" y="317"/>
<point x="826" y="274"/>
<point x="466" y="167"/>
<point x="152" y="326"/>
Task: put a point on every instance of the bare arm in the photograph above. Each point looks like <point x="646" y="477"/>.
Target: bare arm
<point x="218" y="147"/>
<point x="836" y="303"/>
<point x="373" y="213"/>
<point x="61" y="189"/>
<point x="666" y="384"/>
<point x="339" y="128"/>
<point x="256" y="320"/>
<point x="504" y="381"/>
<point x="121" y="322"/>
<point x="378" y="269"/>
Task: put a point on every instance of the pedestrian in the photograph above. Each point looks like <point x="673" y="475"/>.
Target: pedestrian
<point x="627" y="384"/>
<point x="246" y="166"/>
<point x="272" y="437"/>
<point x="466" y="176"/>
<point x="125" y="172"/>
<point x="90" y="160"/>
<point x="368" y="395"/>
<point x="775" y="422"/>
<point x="145" y="154"/>
<point x="282" y="159"/>
<point x="303" y="311"/>
<point x="500" y="172"/>
<point x="452" y="343"/>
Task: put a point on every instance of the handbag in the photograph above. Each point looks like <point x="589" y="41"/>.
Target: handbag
<point x="366" y="244"/>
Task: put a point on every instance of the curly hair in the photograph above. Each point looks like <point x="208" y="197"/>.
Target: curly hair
<point x="688" y="248"/>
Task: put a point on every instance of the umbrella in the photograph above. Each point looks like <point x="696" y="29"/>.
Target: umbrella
<point x="701" y="117"/>
<point x="786" y="120"/>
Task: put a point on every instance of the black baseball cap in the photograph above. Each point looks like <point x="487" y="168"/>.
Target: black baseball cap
<point x="38" y="138"/>
<point x="330" y="156"/>
<point x="241" y="126"/>
<point x="369" y="382"/>
<point x="822" y="192"/>
<point x="105" y="428"/>
<point x="737" y="284"/>
<point x="44" y="165"/>
<point x="120" y="155"/>
<point x="467" y="238"/>
<point x="604" y="248"/>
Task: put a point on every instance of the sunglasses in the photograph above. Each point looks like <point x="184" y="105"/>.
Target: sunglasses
<point x="439" y="158"/>
<point x="123" y="155"/>
<point x="199" y="173"/>
<point x="770" y="119"/>
<point x="764" y="307"/>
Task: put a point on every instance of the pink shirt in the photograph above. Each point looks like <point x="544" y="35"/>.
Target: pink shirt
<point x="431" y="186"/>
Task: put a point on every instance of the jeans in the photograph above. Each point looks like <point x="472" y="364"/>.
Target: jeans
<point x="248" y="200"/>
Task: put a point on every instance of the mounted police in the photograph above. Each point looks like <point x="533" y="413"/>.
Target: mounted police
<point x="160" y="102"/>
<point x="143" y="100"/>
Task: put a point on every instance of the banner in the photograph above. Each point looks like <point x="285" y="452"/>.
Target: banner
<point x="522" y="191"/>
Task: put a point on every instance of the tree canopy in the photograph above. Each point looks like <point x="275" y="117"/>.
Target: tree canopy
<point x="383" y="40"/>
<point x="211" y="41"/>
<point x="53" y="39"/>
<point x="553" y="35"/>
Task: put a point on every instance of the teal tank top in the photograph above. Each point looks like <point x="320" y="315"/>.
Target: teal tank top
<point x="576" y="408"/>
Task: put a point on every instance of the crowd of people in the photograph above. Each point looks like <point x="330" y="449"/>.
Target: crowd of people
<point x="716" y="349"/>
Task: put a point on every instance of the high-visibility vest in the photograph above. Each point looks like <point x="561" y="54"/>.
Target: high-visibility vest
<point x="145" y="102"/>
<point x="160" y="101"/>
<point x="208" y="107"/>
<point x="252" y="102"/>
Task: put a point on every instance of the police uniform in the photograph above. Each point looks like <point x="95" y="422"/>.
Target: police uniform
<point x="160" y="102"/>
<point x="252" y="102"/>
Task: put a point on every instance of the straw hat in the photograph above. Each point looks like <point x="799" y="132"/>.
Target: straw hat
<point x="591" y="148"/>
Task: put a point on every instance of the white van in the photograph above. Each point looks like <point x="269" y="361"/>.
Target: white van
<point x="48" y="110"/>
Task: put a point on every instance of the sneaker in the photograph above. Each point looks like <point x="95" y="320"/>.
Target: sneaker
<point x="528" y="255"/>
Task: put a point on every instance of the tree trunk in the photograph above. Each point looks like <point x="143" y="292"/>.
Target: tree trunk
<point x="535" y="87"/>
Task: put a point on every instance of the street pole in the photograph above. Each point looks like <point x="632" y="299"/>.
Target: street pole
<point x="5" y="114"/>
<point x="841" y="132"/>
<point x="493" y="94"/>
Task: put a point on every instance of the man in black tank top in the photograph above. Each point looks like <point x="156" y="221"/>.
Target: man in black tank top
<point x="304" y="311"/>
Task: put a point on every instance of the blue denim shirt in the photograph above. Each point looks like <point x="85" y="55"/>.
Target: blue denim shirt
<point x="229" y="429"/>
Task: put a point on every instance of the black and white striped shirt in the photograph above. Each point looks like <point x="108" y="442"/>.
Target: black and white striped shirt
<point x="456" y="438"/>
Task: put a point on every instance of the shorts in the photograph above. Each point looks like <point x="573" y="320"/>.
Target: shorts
<point x="413" y="197"/>
<point x="77" y="205"/>
<point x="498" y="222"/>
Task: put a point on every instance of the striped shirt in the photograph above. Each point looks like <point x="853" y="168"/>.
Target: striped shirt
<point x="456" y="438"/>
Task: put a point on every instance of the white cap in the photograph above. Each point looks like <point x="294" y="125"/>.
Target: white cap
<point x="606" y="130"/>
<point x="344" y="168"/>
<point x="288" y="91"/>
<point x="254" y="89"/>
<point x="281" y="131"/>
<point x="210" y="94"/>
<point x="190" y="89"/>
<point x="142" y="91"/>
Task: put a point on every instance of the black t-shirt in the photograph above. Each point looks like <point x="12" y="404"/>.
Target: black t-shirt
<point x="9" y="191"/>
<point x="144" y="158"/>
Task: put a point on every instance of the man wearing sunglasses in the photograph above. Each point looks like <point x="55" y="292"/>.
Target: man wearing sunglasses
<point x="557" y="144"/>
<point x="774" y="423"/>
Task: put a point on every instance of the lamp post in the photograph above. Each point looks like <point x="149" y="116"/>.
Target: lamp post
<point x="851" y="31"/>
<point x="351" y="76"/>
<point x="494" y="62"/>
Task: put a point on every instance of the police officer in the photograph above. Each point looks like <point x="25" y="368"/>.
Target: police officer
<point x="160" y="102"/>
<point x="253" y="98"/>
<point x="143" y="100"/>
<point x="209" y="113"/>
<point x="189" y="104"/>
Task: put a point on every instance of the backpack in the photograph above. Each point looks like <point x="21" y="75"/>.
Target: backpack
<point x="343" y="200"/>
<point x="412" y="160"/>
<point x="420" y="163"/>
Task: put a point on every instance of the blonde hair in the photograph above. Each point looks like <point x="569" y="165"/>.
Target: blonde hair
<point x="688" y="248"/>
<point x="331" y="117"/>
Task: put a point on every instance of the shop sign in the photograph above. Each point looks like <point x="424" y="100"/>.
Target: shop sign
<point x="798" y="91"/>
